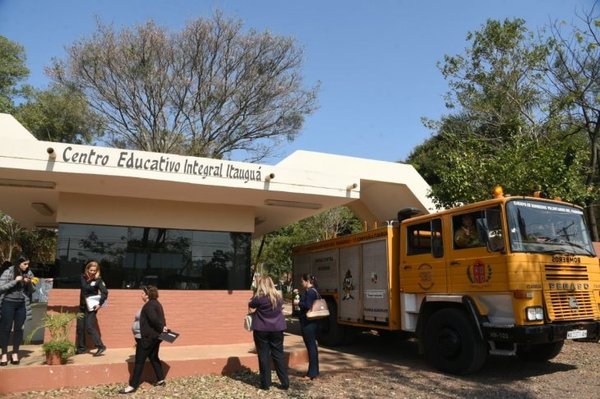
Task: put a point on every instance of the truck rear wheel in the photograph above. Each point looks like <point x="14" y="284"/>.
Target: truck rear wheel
<point x="539" y="352"/>
<point x="452" y="343"/>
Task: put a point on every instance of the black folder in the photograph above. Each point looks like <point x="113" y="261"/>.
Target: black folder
<point x="169" y="336"/>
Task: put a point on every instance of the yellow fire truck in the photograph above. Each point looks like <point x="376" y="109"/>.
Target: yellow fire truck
<point x="520" y="280"/>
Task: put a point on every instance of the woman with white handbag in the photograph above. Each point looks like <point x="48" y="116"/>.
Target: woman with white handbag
<point x="309" y="326"/>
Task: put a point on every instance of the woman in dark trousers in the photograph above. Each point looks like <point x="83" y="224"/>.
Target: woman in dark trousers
<point x="268" y="325"/>
<point x="91" y="284"/>
<point x="16" y="288"/>
<point x="151" y="324"/>
<point x="309" y="327"/>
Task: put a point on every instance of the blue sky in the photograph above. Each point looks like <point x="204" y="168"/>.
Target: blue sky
<point x="375" y="59"/>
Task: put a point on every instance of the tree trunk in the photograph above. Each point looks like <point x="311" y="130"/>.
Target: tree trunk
<point x="592" y="223"/>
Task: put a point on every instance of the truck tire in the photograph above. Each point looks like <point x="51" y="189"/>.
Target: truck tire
<point x="539" y="352"/>
<point x="330" y="332"/>
<point x="393" y="336"/>
<point x="452" y="342"/>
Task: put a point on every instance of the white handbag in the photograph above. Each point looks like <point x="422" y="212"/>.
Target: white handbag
<point x="319" y="309"/>
<point x="248" y="322"/>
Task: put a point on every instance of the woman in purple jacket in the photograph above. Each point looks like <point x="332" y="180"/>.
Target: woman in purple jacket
<point x="268" y="325"/>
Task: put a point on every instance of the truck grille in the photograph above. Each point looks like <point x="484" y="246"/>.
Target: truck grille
<point x="564" y="305"/>
<point x="568" y="304"/>
<point x="566" y="272"/>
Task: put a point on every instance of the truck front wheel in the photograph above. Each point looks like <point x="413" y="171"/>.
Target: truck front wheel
<point x="539" y="352"/>
<point x="452" y="343"/>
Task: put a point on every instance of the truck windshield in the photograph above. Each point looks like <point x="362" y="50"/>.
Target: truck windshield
<point x="543" y="227"/>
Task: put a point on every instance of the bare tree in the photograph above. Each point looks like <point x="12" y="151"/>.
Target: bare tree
<point x="574" y="74"/>
<point x="210" y="90"/>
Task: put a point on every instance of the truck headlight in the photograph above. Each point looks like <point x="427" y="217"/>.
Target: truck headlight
<point x="535" y="313"/>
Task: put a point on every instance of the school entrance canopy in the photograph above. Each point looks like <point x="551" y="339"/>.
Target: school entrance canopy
<point x="45" y="183"/>
<point x="180" y="223"/>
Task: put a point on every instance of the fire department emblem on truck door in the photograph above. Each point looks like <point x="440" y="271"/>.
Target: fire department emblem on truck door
<point x="425" y="276"/>
<point x="348" y="286"/>
<point x="478" y="273"/>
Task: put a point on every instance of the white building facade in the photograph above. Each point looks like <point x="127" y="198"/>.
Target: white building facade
<point x="182" y="223"/>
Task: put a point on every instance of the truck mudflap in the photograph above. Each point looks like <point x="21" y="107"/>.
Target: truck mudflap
<point x="582" y="330"/>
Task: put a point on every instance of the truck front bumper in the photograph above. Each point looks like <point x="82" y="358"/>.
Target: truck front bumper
<point x="544" y="333"/>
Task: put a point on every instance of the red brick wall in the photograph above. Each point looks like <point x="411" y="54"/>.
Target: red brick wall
<point x="201" y="317"/>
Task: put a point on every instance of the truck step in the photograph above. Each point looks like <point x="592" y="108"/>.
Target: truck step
<point x="503" y="352"/>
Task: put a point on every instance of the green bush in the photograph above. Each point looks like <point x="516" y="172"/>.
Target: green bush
<point x="65" y="348"/>
<point x="58" y="326"/>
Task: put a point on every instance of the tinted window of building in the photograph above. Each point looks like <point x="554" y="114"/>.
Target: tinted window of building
<point x="170" y="259"/>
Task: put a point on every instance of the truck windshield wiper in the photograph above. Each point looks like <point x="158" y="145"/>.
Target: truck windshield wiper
<point x="584" y="249"/>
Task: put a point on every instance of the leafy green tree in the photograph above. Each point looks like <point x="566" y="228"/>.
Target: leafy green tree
<point x="210" y="90"/>
<point x="274" y="254"/>
<point x="39" y="245"/>
<point x="9" y="237"/>
<point x="59" y="114"/>
<point x="12" y="71"/>
<point x="463" y="168"/>
<point x="504" y="131"/>
<point x="495" y="84"/>
<point x="494" y="89"/>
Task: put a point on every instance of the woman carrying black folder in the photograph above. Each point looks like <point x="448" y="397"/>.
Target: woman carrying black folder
<point x="149" y="323"/>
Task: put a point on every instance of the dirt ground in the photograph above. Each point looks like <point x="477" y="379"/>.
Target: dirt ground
<point x="377" y="368"/>
<point x="403" y="373"/>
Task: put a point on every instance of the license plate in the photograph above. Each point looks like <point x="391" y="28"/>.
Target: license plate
<point x="576" y="334"/>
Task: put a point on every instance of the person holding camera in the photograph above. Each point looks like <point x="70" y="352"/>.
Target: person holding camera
<point x="16" y="289"/>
